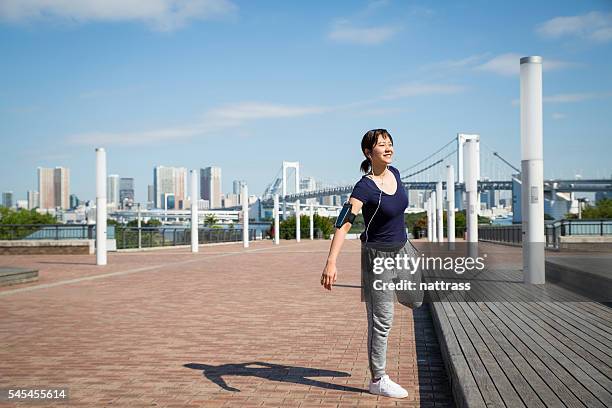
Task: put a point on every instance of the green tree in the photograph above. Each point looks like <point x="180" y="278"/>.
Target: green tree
<point x="601" y="210"/>
<point x="150" y="223"/>
<point x="8" y="216"/>
<point x="287" y="227"/>
<point x="22" y="216"/>
<point x="210" y="220"/>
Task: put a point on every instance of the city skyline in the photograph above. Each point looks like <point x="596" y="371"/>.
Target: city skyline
<point x="175" y="90"/>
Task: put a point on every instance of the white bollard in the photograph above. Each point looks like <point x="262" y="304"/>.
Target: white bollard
<point x="194" y="211"/>
<point x="470" y="175"/>
<point x="100" y="206"/>
<point x="245" y="216"/>
<point x="429" y="223"/>
<point x="139" y="228"/>
<point x="450" y="206"/>
<point x="276" y="220"/>
<point x="297" y="221"/>
<point x="439" y="212"/>
<point x="532" y="170"/>
<point x="434" y="225"/>
<point x="311" y="221"/>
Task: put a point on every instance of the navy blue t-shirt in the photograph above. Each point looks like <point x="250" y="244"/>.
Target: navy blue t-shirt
<point x="388" y="224"/>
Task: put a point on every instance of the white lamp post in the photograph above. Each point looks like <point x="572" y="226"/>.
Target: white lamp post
<point x="194" y="211"/>
<point x="311" y="222"/>
<point x="439" y="212"/>
<point x="297" y="221"/>
<point x="470" y="174"/>
<point x="276" y="220"/>
<point x="450" y="206"/>
<point x="245" y="215"/>
<point x="100" y="206"/>
<point x="434" y="225"/>
<point x="532" y="170"/>
<point x="429" y="217"/>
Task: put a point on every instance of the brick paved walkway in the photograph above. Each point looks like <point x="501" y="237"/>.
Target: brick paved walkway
<point x="225" y="327"/>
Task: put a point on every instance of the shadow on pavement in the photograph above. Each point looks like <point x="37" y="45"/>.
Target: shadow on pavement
<point x="275" y="372"/>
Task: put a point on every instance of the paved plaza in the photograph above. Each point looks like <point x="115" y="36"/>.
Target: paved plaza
<point x="227" y="327"/>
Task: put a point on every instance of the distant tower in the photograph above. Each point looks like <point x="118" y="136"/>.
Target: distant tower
<point x="33" y="200"/>
<point x="169" y="180"/>
<point x="210" y="185"/>
<point x="7" y="199"/>
<point x="126" y="191"/>
<point x="112" y="190"/>
<point x="54" y="187"/>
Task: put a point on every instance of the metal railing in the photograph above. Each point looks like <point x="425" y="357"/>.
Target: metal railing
<point x="150" y="237"/>
<point x="289" y="233"/>
<point x="422" y="232"/>
<point x="14" y="232"/>
<point x="552" y="231"/>
<point x="511" y="234"/>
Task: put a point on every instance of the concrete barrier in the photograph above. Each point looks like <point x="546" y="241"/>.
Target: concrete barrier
<point x="48" y="247"/>
<point x="13" y="276"/>
<point x="590" y="243"/>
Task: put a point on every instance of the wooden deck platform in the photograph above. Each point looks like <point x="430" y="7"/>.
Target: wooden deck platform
<point x="524" y="353"/>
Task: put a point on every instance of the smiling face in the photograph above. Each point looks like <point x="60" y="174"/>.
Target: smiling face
<point x="382" y="152"/>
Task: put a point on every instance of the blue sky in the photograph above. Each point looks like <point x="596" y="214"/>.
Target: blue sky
<point x="244" y="84"/>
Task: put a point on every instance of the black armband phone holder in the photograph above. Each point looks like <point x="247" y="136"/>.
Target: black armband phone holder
<point x="346" y="215"/>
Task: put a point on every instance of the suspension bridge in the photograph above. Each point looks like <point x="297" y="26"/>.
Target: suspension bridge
<point x="495" y="174"/>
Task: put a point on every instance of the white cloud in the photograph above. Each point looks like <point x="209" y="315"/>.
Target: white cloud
<point x="218" y="120"/>
<point x="466" y="62"/>
<point x="214" y="122"/>
<point x="575" y="97"/>
<point x="382" y="111"/>
<point x="419" y="89"/>
<point x="254" y="110"/>
<point x="509" y="64"/>
<point x="558" y="116"/>
<point x="595" y="26"/>
<point x="570" y="97"/>
<point x="344" y="32"/>
<point x="160" y="14"/>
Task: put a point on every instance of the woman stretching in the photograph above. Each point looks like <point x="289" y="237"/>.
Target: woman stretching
<point x="381" y="196"/>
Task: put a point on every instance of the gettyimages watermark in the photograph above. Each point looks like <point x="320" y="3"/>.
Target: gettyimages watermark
<point x="439" y="272"/>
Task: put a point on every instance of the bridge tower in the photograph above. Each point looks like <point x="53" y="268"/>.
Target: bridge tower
<point x="296" y="167"/>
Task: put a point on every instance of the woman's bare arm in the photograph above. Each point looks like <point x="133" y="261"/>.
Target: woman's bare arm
<point x="330" y="272"/>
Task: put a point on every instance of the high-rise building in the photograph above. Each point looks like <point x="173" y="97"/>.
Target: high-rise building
<point x="170" y="180"/>
<point x="112" y="190"/>
<point x="210" y="185"/>
<point x="74" y="201"/>
<point x="150" y="193"/>
<point x="54" y="187"/>
<point x="230" y="200"/>
<point x="21" y="204"/>
<point x="7" y="199"/>
<point x="33" y="200"/>
<point x="169" y="201"/>
<point x="126" y="192"/>
<point x="237" y="186"/>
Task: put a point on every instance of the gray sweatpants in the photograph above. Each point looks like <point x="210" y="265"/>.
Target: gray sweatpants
<point x="380" y="304"/>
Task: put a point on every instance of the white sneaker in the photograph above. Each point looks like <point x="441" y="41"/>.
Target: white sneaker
<point x="385" y="387"/>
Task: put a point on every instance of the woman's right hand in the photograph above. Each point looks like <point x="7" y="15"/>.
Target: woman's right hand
<point x="328" y="278"/>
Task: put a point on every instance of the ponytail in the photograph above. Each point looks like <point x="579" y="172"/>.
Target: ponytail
<point x="365" y="166"/>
